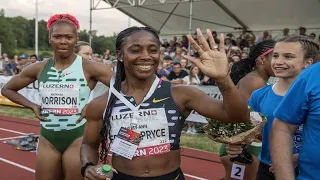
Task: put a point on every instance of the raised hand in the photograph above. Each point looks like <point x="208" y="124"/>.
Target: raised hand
<point x="212" y="63"/>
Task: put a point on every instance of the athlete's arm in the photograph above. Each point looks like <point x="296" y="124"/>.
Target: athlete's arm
<point x="281" y="144"/>
<point x="233" y="107"/>
<point x="27" y="76"/>
<point x="89" y="151"/>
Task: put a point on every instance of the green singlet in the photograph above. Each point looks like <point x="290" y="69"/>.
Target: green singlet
<point x="63" y="95"/>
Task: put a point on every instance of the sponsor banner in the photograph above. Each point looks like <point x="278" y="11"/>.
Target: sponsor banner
<point x="212" y="91"/>
<point x="30" y="92"/>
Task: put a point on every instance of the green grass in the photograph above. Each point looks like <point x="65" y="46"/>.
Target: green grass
<point x="16" y="112"/>
<point x="198" y="141"/>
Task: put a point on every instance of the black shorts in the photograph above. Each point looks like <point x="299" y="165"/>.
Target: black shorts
<point x="264" y="173"/>
<point x="175" y="175"/>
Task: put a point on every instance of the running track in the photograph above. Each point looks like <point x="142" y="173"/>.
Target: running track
<point x="17" y="165"/>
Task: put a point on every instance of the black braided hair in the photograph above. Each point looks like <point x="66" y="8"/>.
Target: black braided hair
<point x="309" y="46"/>
<point x="245" y="66"/>
<point x="120" y="76"/>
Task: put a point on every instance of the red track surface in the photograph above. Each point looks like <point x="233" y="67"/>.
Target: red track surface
<point x="18" y="165"/>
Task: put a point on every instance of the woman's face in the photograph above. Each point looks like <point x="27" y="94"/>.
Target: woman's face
<point x="183" y="63"/>
<point x="178" y="51"/>
<point x="288" y="60"/>
<point x="85" y="52"/>
<point x="267" y="64"/>
<point x="195" y="71"/>
<point x="63" y="39"/>
<point x="140" y="54"/>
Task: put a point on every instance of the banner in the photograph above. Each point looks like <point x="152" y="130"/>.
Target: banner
<point x="31" y="93"/>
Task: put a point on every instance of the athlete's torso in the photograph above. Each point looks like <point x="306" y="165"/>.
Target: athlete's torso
<point x="159" y="121"/>
<point x="63" y="95"/>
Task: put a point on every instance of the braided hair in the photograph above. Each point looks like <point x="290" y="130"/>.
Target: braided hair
<point x="245" y="66"/>
<point x="309" y="46"/>
<point x="120" y="76"/>
<point x="66" y="19"/>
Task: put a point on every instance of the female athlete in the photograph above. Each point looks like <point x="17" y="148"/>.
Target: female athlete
<point x="65" y="82"/>
<point x="151" y="112"/>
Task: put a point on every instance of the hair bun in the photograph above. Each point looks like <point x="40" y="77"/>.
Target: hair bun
<point x="63" y="17"/>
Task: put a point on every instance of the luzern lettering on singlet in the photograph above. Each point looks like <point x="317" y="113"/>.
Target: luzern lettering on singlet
<point x="63" y="95"/>
<point x="157" y="119"/>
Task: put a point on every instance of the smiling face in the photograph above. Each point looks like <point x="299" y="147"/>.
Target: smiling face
<point x="140" y="55"/>
<point x="63" y="38"/>
<point x="288" y="59"/>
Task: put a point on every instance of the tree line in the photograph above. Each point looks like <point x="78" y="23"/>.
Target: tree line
<point x="18" y="34"/>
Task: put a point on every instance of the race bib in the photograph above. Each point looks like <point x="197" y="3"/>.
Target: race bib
<point x="237" y="171"/>
<point x="59" y="98"/>
<point x="152" y="125"/>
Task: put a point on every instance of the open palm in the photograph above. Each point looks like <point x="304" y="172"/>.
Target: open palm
<point x="212" y="63"/>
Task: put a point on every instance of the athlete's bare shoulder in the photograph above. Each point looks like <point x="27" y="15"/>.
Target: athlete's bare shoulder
<point x="96" y="107"/>
<point x="251" y="81"/>
<point x="33" y="70"/>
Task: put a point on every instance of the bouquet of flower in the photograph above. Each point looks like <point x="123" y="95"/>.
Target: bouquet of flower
<point x="237" y="133"/>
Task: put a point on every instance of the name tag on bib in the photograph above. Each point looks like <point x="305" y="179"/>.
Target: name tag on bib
<point x="151" y="124"/>
<point x="126" y="143"/>
<point x="59" y="98"/>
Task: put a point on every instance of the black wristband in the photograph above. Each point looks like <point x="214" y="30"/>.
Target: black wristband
<point x="83" y="169"/>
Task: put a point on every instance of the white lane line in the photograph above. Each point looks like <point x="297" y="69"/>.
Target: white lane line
<point x="17" y="132"/>
<point x="194" y="177"/>
<point x="17" y="165"/>
<point x="9" y="138"/>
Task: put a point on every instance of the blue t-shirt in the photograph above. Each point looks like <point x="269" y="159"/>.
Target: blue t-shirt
<point x="265" y="101"/>
<point x="162" y="73"/>
<point x="11" y="68"/>
<point x="301" y="105"/>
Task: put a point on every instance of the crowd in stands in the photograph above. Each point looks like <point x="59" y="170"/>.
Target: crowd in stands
<point x="13" y="64"/>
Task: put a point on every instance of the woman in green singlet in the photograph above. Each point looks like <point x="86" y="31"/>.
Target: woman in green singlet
<point x="248" y="75"/>
<point x="65" y="82"/>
